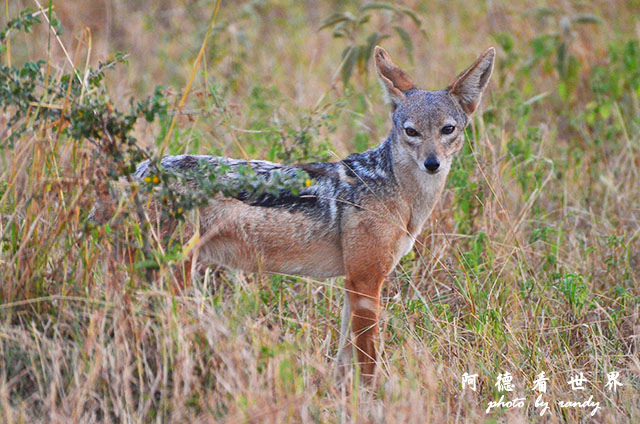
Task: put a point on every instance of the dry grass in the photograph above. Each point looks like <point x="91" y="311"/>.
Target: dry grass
<point x="530" y="263"/>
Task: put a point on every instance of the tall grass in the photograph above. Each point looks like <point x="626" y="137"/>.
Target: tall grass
<point x="529" y="264"/>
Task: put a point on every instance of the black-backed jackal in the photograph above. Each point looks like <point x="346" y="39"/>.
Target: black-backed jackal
<point x="360" y="215"/>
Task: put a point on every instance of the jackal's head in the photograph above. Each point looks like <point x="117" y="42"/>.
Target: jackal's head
<point x="428" y="126"/>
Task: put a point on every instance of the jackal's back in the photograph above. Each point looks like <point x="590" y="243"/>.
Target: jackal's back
<point x="335" y="186"/>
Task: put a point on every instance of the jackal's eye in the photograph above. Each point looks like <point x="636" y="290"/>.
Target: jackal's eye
<point x="411" y="132"/>
<point x="448" y="129"/>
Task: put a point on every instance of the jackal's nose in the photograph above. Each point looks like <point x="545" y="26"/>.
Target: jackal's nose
<point x="432" y="164"/>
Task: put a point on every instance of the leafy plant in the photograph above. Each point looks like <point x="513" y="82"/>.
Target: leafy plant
<point x="360" y="42"/>
<point x="23" y="22"/>
<point x="82" y="111"/>
<point x="575" y="291"/>
<point x="554" y="47"/>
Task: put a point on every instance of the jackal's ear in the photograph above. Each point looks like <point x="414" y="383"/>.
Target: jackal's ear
<point x="393" y="79"/>
<point x="468" y="86"/>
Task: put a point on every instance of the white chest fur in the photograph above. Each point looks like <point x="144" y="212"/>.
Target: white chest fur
<point x="423" y="204"/>
<point x="404" y="246"/>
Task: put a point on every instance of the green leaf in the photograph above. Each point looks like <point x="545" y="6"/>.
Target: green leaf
<point x="350" y="55"/>
<point x="411" y="14"/>
<point x="366" y="51"/>
<point x="363" y="20"/>
<point x="378" y="6"/>
<point x="562" y="57"/>
<point x="147" y="264"/>
<point x="504" y="40"/>
<point x="586" y="18"/>
<point x="542" y="12"/>
<point x="605" y="110"/>
<point x="562" y="90"/>
<point x="406" y="40"/>
<point x="340" y="30"/>
<point x="336" y="18"/>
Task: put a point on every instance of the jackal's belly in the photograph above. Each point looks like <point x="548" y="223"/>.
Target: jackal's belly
<point x="275" y="240"/>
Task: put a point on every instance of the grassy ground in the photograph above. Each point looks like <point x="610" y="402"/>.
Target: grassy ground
<point x="529" y="264"/>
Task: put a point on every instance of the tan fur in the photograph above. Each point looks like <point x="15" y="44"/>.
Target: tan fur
<point x="269" y="240"/>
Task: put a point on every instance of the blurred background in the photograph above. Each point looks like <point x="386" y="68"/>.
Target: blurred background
<point x="290" y="52"/>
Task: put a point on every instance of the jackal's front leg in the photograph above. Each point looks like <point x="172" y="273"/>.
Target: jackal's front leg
<point x="364" y="301"/>
<point x="368" y="259"/>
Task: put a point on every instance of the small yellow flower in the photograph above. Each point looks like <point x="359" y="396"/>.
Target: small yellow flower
<point x="307" y="183"/>
<point x="156" y="180"/>
<point x="179" y="210"/>
<point x="147" y="179"/>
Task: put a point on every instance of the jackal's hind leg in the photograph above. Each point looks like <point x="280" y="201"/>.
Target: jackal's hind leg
<point x="192" y="267"/>
<point x="345" y="350"/>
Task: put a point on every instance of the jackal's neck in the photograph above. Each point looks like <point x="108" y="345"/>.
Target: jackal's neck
<point x="383" y="155"/>
<point x="374" y="166"/>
